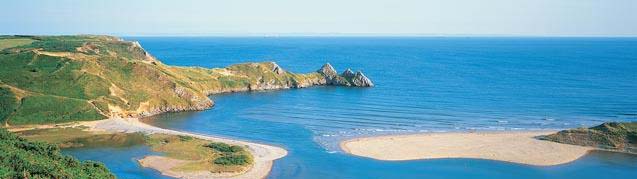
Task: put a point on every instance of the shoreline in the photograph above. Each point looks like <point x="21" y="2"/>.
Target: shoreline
<point x="263" y="155"/>
<point x="509" y="146"/>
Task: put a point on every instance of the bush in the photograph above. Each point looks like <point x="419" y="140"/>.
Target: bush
<point x="223" y="147"/>
<point x="232" y="159"/>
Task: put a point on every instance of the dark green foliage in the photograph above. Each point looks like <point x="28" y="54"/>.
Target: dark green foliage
<point x="232" y="159"/>
<point x="8" y="103"/>
<point x="223" y="147"/>
<point x="20" y="158"/>
<point x="230" y="154"/>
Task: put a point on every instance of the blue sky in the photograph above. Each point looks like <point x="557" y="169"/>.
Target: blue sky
<point x="303" y="17"/>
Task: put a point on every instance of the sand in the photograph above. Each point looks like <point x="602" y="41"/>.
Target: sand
<point x="516" y="147"/>
<point x="263" y="155"/>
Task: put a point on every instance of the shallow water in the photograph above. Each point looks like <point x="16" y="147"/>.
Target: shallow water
<point x="423" y="85"/>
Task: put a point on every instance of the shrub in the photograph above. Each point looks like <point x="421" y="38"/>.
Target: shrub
<point x="223" y="147"/>
<point x="232" y="159"/>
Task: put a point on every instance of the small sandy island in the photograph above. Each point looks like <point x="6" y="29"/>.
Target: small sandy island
<point x="516" y="147"/>
<point x="263" y="155"/>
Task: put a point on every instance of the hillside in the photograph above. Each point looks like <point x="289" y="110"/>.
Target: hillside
<point x="20" y="158"/>
<point x="610" y="136"/>
<point x="55" y="79"/>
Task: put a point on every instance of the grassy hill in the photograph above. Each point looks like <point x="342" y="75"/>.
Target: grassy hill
<point x="617" y="136"/>
<point x="23" y="159"/>
<point x="55" y="79"/>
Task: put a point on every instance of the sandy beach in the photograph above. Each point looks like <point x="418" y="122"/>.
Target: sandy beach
<point x="263" y="155"/>
<point x="516" y="147"/>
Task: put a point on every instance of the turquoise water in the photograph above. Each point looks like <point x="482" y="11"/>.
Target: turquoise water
<point x="423" y="85"/>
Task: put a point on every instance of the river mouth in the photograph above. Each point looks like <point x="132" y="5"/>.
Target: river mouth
<point x="422" y="85"/>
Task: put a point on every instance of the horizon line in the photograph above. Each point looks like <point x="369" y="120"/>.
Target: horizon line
<point x="322" y="35"/>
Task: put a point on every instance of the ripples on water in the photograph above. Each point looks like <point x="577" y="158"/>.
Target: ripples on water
<point x="435" y="84"/>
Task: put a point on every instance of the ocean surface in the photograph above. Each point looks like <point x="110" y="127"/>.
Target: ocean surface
<point x="422" y="85"/>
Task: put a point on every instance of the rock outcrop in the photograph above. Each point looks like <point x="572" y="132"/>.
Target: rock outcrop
<point x="347" y="78"/>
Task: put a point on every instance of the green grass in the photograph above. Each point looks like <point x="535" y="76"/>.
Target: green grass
<point x="9" y="43"/>
<point x="20" y="158"/>
<point x="52" y="109"/>
<point x="69" y="137"/>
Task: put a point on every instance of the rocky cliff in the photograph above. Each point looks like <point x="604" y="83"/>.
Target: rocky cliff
<point x="609" y="136"/>
<point x="54" y="79"/>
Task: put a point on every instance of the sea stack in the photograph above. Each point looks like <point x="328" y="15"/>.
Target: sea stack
<point x="347" y="78"/>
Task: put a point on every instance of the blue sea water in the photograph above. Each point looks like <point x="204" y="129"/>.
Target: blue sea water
<point x="423" y="85"/>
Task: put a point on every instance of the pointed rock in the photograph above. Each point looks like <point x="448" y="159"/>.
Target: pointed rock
<point x="361" y="80"/>
<point x="327" y="70"/>
<point x="348" y="73"/>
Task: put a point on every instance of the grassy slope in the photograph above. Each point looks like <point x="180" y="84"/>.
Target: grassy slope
<point x="96" y="77"/>
<point x="611" y="135"/>
<point x="23" y="159"/>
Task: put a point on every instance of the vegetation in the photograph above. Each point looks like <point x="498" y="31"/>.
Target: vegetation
<point x="230" y="154"/>
<point x="223" y="147"/>
<point x="8" y="103"/>
<point x="56" y="79"/>
<point x="77" y="137"/>
<point x="14" y="42"/>
<point x="200" y="155"/>
<point x="20" y="158"/>
<point x="232" y="159"/>
<point x="611" y="136"/>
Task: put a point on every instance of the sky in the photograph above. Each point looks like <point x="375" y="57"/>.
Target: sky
<point x="321" y="17"/>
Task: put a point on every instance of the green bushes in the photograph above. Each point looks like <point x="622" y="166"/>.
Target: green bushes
<point x="230" y="154"/>
<point x="232" y="159"/>
<point x="20" y="158"/>
<point x="223" y="147"/>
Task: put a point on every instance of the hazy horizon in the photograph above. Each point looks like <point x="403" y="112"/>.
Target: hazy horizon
<point x="543" y="18"/>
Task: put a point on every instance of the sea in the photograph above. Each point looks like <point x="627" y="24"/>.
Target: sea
<point x="423" y="84"/>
